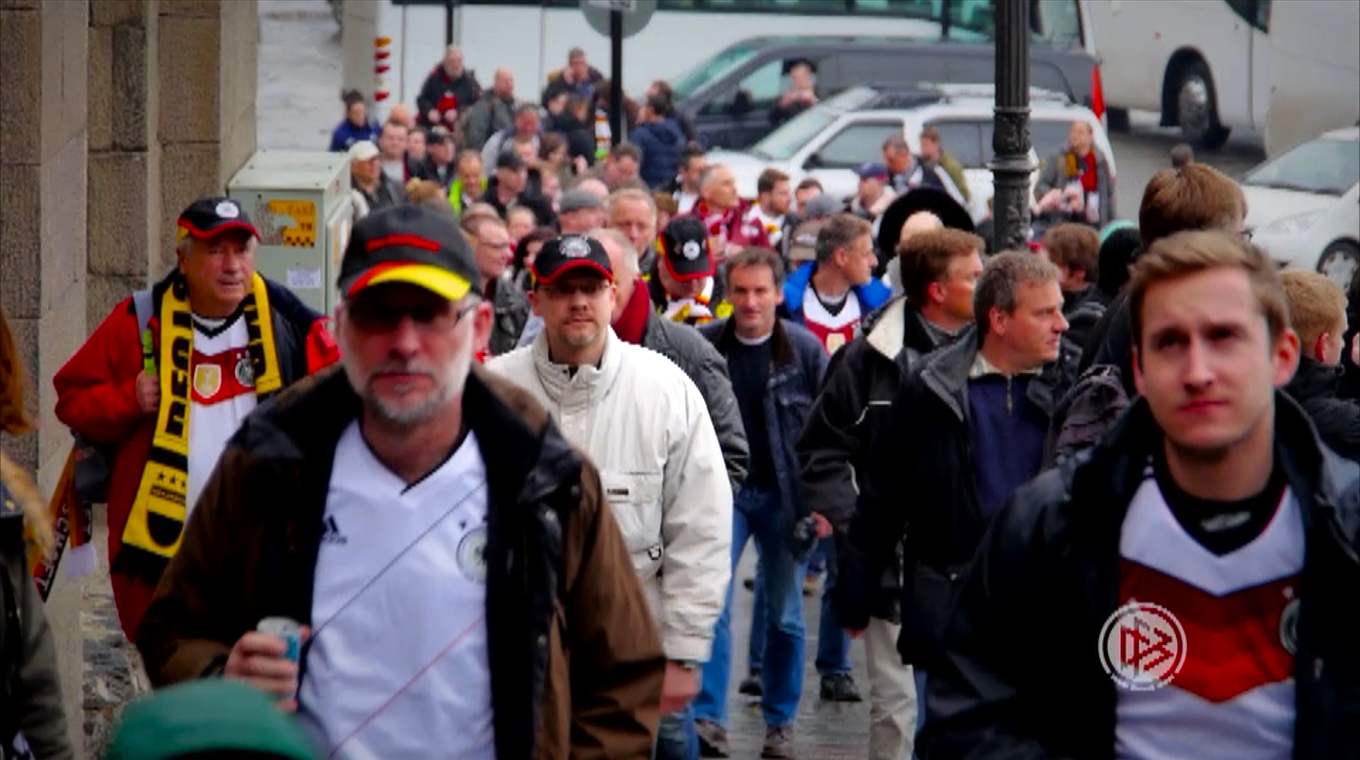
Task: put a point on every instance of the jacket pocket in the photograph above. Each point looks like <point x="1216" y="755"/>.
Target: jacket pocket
<point x="926" y="610"/>
<point x="635" y="497"/>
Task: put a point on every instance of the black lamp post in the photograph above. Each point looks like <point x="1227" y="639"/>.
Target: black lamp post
<point x="1011" y="166"/>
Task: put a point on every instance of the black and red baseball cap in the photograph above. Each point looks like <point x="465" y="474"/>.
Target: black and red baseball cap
<point x="409" y="244"/>
<point x="206" y="218"/>
<point x="570" y="253"/>
<point x="684" y="249"/>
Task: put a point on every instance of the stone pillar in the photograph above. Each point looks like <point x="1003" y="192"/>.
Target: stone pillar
<point x="123" y="199"/>
<point x="43" y="136"/>
<point x="207" y="56"/>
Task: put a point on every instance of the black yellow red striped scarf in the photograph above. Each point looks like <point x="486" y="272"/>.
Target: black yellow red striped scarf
<point x="155" y="524"/>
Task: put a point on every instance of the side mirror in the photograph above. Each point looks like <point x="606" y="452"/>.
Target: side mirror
<point x="813" y="161"/>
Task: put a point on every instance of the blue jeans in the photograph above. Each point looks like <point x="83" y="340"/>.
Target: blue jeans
<point x="755" y="650"/>
<point x="833" y="643"/>
<point x="758" y="514"/>
<point x="920" y="677"/>
<point x="676" y="739"/>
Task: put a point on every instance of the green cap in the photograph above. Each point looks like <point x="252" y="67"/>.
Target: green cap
<point x="210" y="715"/>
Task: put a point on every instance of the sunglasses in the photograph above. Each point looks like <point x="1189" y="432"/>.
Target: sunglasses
<point x="380" y="316"/>
<point x="588" y="288"/>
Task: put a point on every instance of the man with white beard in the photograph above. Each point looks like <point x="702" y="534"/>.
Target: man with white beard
<point x="433" y="541"/>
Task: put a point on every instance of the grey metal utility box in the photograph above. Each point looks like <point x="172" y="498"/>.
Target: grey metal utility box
<point x="300" y="201"/>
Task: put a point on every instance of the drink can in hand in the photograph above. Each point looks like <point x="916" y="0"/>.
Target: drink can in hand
<point x="287" y="629"/>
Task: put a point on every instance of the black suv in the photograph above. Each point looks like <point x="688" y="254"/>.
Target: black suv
<point x="730" y="96"/>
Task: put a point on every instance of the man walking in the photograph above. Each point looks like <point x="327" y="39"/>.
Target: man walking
<point x="170" y="374"/>
<point x="986" y="401"/>
<point x="1317" y="312"/>
<point x="372" y="189"/>
<point x="777" y="367"/>
<point x="1076" y="184"/>
<point x="847" y="425"/>
<point x="635" y="322"/>
<point x="770" y="212"/>
<point x="509" y="306"/>
<point x="465" y="586"/>
<point x="1195" y="571"/>
<point x="638" y="416"/>
<point x="831" y="295"/>
<point x="490" y="114"/>
<point x="685" y="286"/>
<point x="448" y="90"/>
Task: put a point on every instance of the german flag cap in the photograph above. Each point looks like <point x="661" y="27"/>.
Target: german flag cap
<point x="409" y="244"/>
<point x="206" y="218"/>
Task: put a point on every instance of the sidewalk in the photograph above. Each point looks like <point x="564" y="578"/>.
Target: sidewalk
<point x="825" y="730"/>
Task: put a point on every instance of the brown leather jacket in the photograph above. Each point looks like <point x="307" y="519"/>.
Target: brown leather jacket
<point x="576" y="663"/>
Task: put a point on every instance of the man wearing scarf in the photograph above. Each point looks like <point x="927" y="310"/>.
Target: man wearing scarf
<point x="220" y="338"/>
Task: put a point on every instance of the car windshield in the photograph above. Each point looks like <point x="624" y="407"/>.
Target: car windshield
<point x="781" y="144"/>
<point x="712" y="69"/>
<point x="1318" y="166"/>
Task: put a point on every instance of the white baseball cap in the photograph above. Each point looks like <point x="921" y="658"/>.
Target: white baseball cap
<point x="363" y="150"/>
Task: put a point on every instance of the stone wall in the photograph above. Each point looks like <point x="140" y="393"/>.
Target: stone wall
<point x="123" y="205"/>
<point x="43" y="146"/>
<point x="114" y="114"/>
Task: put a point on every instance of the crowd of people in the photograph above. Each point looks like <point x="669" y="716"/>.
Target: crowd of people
<point x="411" y="527"/>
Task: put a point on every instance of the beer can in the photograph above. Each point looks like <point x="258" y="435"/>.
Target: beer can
<point x="287" y="629"/>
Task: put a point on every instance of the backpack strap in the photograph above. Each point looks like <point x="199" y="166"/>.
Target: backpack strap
<point x="144" y="304"/>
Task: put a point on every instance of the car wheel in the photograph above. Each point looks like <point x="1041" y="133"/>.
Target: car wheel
<point x="1340" y="262"/>
<point x="1197" y="107"/>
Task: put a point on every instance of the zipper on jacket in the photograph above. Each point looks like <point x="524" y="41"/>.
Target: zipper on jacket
<point x="1010" y="405"/>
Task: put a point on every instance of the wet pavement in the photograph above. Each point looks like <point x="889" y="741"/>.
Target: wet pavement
<point x="825" y="730"/>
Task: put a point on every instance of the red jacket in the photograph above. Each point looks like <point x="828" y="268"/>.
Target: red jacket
<point x="96" y="397"/>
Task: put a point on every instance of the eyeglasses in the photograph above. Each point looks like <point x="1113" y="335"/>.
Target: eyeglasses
<point x="378" y="316"/>
<point x="588" y="288"/>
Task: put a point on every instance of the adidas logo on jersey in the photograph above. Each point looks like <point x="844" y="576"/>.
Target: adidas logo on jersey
<point x="332" y="534"/>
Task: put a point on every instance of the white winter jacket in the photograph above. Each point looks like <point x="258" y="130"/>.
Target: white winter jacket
<point x="645" y="426"/>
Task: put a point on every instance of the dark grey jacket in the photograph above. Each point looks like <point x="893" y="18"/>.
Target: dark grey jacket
<point x="684" y="346"/>
<point x="797" y="366"/>
<point x="485" y="118"/>
<point x="30" y="688"/>
<point x="512" y="311"/>
<point x="937" y="504"/>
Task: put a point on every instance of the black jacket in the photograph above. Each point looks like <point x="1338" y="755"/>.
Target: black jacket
<point x="797" y="365"/>
<point x="1111" y="342"/>
<point x="930" y="473"/>
<point x="511" y="313"/>
<point x="848" y="422"/>
<point x="30" y="686"/>
<point x="688" y="350"/>
<point x="442" y="92"/>
<point x="558" y="85"/>
<point x="543" y="213"/>
<point x="1317" y="389"/>
<point x="1046" y="578"/>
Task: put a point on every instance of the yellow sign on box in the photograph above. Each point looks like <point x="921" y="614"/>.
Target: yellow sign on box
<point x="302" y="233"/>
